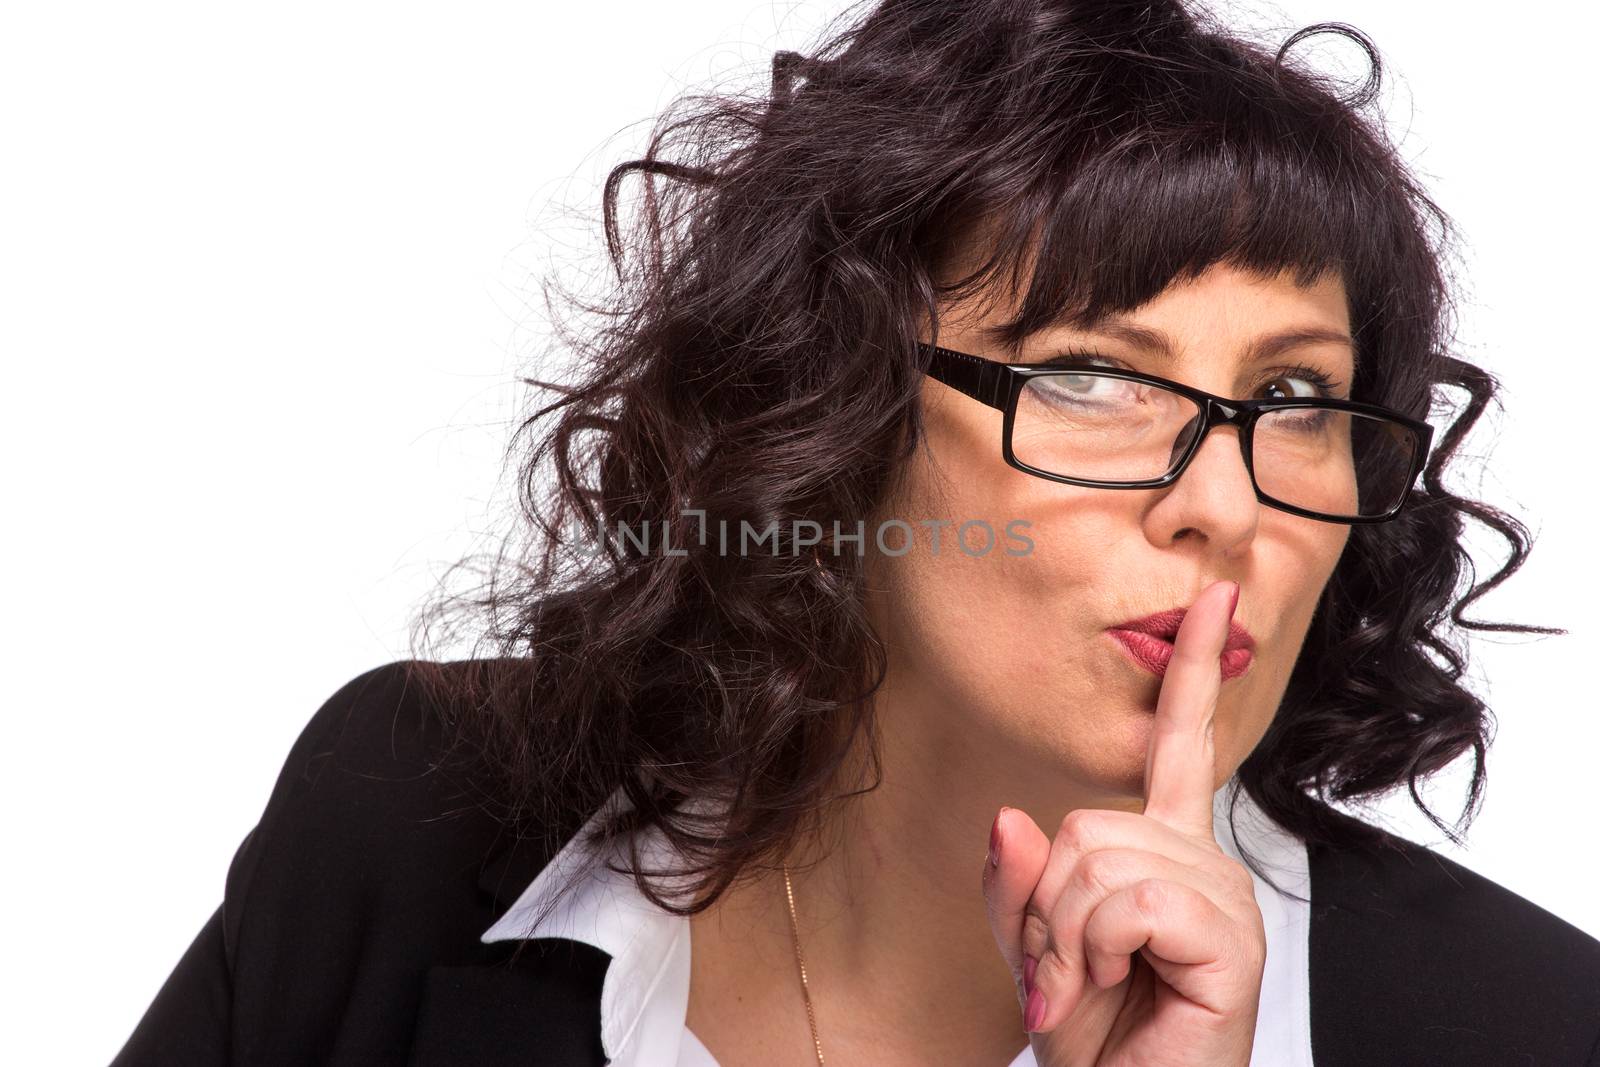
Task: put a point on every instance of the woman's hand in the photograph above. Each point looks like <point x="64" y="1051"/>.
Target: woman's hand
<point x="1135" y="939"/>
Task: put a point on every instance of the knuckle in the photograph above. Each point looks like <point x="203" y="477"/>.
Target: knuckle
<point x="1150" y="896"/>
<point x="1078" y="827"/>
<point x="1096" y="874"/>
<point x="1240" y="878"/>
<point x="1052" y="969"/>
<point x="1035" y="932"/>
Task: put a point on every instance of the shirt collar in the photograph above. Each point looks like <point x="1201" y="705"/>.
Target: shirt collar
<point x="649" y="947"/>
<point x="1283" y="1017"/>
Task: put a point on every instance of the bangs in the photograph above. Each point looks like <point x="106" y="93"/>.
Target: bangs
<point x="1270" y="183"/>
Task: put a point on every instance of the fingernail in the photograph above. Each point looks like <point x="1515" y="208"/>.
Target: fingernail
<point x="994" y="840"/>
<point x="1235" y="602"/>
<point x="1028" y="966"/>
<point x="1035" y="1016"/>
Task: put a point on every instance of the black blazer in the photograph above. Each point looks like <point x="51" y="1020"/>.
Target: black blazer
<point x="348" y="934"/>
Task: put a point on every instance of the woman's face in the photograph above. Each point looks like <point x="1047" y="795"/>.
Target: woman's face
<point x="1016" y="648"/>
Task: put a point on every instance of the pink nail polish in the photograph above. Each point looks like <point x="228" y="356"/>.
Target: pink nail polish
<point x="1035" y="1016"/>
<point x="1235" y="602"/>
<point x="994" y="840"/>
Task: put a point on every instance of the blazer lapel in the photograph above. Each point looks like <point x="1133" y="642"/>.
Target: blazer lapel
<point x="528" y="1003"/>
<point x="540" y="1010"/>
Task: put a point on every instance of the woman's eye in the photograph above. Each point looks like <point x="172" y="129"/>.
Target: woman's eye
<point x="1312" y="385"/>
<point x="1298" y="382"/>
<point x="1077" y="382"/>
<point x="1084" y="383"/>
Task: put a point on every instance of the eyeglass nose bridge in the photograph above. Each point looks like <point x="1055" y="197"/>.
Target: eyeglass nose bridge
<point x="1219" y="411"/>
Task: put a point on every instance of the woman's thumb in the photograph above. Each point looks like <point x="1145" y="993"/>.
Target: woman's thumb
<point x="1018" y="852"/>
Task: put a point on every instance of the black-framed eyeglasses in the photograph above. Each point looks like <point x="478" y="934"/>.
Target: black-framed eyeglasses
<point x="1322" y="458"/>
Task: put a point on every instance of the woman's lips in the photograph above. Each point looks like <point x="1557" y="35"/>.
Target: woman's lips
<point x="1152" y="653"/>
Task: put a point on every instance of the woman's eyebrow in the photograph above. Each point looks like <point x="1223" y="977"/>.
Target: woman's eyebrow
<point x="1259" y="350"/>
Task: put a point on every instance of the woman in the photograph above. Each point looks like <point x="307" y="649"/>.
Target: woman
<point x="1006" y="432"/>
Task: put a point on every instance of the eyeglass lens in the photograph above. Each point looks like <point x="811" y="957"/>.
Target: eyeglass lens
<point x="1099" y="428"/>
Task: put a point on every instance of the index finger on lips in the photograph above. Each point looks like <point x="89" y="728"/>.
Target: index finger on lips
<point x="1180" y="767"/>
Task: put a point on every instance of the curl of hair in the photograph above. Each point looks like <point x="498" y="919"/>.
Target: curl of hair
<point x="755" y="361"/>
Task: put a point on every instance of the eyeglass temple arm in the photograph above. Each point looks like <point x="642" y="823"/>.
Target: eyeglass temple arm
<point x="981" y="379"/>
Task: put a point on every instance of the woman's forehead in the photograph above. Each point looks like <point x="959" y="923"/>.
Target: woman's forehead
<point x="1221" y="298"/>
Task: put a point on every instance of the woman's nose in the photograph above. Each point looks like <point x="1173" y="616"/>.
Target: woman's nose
<point x="1215" y="489"/>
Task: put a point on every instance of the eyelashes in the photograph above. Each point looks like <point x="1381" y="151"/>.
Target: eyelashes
<point x="1326" y="385"/>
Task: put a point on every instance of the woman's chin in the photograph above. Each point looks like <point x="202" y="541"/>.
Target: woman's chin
<point x="1110" y="756"/>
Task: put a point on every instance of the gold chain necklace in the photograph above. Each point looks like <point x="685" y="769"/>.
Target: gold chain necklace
<point x="794" y="925"/>
<point x="794" y="922"/>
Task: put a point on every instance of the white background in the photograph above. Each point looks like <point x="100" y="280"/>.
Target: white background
<point x="267" y="281"/>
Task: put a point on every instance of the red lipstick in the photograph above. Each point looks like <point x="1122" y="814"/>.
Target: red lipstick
<point x="1150" y="642"/>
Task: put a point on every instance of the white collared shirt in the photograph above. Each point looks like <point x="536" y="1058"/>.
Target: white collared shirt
<point x="645" y="997"/>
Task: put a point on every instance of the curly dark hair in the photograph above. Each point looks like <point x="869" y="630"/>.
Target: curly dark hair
<point x="756" y="360"/>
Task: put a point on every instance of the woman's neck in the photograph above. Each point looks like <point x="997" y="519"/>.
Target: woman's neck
<point x="901" y="964"/>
